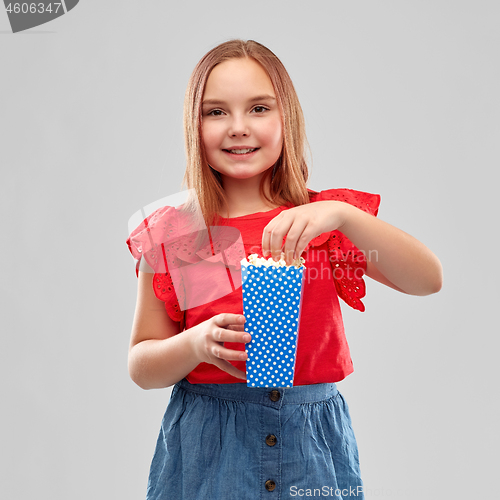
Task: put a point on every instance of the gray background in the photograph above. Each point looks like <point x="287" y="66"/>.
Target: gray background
<point x="400" y="97"/>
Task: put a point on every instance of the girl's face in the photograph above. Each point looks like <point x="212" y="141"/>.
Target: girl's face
<point x="241" y="123"/>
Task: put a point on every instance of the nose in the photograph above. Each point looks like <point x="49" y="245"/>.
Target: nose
<point x="238" y="127"/>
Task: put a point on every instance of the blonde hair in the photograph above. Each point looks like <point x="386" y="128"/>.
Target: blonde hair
<point x="288" y="184"/>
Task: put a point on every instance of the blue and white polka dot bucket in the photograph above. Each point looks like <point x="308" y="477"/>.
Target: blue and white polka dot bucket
<point x="272" y="298"/>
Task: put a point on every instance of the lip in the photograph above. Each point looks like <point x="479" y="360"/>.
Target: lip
<point x="242" y="156"/>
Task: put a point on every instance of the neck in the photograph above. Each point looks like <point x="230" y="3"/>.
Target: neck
<point x="243" y="196"/>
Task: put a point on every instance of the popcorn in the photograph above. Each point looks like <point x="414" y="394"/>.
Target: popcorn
<point x="272" y="298"/>
<point x="255" y="260"/>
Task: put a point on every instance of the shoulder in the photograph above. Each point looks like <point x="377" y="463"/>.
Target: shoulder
<point x="368" y="202"/>
<point x="159" y="225"/>
<point x="156" y="231"/>
<point x="144" y="225"/>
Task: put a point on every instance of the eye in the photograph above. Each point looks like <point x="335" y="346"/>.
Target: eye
<point x="260" y="109"/>
<point x="215" y="112"/>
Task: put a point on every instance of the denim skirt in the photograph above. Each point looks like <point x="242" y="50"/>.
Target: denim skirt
<point x="229" y="441"/>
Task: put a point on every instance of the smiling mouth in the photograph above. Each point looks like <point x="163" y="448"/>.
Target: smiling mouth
<point x="240" y="151"/>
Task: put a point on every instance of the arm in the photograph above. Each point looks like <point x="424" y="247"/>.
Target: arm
<point x="394" y="258"/>
<point x="160" y="355"/>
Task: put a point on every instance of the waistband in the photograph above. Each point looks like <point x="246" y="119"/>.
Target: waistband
<point x="264" y="395"/>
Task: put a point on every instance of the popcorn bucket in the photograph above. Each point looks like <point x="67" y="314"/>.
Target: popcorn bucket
<point x="272" y="299"/>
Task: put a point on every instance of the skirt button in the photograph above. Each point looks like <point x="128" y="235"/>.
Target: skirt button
<point x="274" y="395"/>
<point x="271" y="440"/>
<point x="270" y="485"/>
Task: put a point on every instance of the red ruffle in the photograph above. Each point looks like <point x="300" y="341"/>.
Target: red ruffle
<point x="145" y="241"/>
<point x="348" y="263"/>
<point x="164" y="290"/>
<point x="160" y="240"/>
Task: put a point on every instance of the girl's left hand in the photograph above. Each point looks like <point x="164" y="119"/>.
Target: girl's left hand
<point x="300" y="225"/>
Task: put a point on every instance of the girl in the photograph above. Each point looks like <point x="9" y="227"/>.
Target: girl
<point x="220" y="439"/>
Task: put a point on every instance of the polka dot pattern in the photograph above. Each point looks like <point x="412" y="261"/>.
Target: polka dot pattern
<point x="271" y="305"/>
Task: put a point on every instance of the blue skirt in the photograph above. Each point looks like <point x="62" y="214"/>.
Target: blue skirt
<point x="229" y="441"/>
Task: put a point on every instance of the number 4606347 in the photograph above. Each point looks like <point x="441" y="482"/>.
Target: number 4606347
<point x="33" y="8"/>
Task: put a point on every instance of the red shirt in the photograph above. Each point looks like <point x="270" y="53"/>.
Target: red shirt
<point x="334" y="268"/>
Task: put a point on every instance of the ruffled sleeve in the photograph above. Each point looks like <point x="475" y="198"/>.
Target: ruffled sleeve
<point x="192" y="265"/>
<point x="348" y="263"/>
<point x="145" y="241"/>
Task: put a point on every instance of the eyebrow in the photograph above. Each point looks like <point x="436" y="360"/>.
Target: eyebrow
<point x="264" y="97"/>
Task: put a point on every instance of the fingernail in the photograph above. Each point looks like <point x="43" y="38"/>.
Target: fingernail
<point x="247" y="338"/>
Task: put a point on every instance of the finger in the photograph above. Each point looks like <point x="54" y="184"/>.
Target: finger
<point x="219" y="351"/>
<point x="224" y="335"/>
<point x="236" y="328"/>
<point x="266" y="234"/>
<point x="226" y="319"/>
<point x="276" y="237"/>
<point x="229" y="368"/>
<point x="293" y="238"/>
<point x="301" y="246"/>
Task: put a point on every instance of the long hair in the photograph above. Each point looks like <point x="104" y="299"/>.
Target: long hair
<point x="290" y="173"/>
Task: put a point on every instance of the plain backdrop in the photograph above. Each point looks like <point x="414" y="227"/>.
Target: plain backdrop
<point x="400" y="98"/>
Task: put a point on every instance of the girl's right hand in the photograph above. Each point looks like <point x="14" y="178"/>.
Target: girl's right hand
<point x="207" y="341"/>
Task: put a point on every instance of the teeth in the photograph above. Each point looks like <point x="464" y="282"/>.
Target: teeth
<point x="241" y="151"/>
